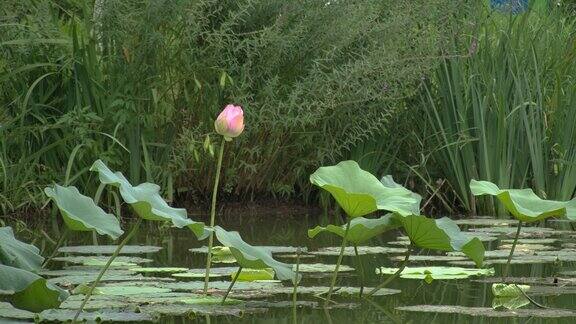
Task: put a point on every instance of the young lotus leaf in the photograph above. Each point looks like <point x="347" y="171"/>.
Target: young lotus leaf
<point x="524" y="204"/>
<point x="18" y="254"/>
<point x="442" y="234"/>
<point x="80" y="213"/>
<point x="436" y="273"/>
<point x="249" y="256"/>
<point x="510" y="296"/>
<point x="359" y="192"/>
<point x="146" y="201"/>
<point x="361" y="229"/>
<point x="28" y="290"/>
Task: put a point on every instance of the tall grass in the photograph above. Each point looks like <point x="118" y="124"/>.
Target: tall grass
<point x="138" y="83"/>
<point x="502" y="113"/>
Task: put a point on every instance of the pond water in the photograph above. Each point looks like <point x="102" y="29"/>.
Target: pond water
<point x="549" y="251"/>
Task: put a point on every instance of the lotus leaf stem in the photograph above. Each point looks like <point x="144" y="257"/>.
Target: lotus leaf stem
<point x="58" y="244"/>
<point x="361" y="269"/>
<point x="231" y="285"/>
<point x="394" y="276"/>
<point x="535" y="303"/>
<point x="101" y="274"/>
<point x="340" y="256"/>
<point x="295" y="290"/>
<point x="507" y="267"/>
<point x="213" y="216"/>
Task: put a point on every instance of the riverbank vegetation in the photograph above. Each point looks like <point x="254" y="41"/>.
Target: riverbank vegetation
<point x="138" y="86"/>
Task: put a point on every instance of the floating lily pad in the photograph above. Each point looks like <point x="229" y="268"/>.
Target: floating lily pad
<point x="525" y="232"/>
<point x="529" y="259"/>
<point x="64" y="315"/>
<point x="509" y="296"/>
<point x="496" y="254"/>
<point x="526" y="247"/>
<point x="80" y="213"/>
<point x="524" y="204"/>
<point x="18" y="254"/>
<point x="76" y="280"/>
<point x="436" y="273"/>
<point x="159" y="270"/>
<point x="29" y="291"/>
<point x="200" y="273"/>
<point x="531" y="241"/>
<point x="83" y="271"/>
<point x="359" y="192"/>
<point x="532" y="281"/>
<point x="321" y="267"/>
<point x="430" y="258"/>
<point x="109" y="249"/>
<point x="146" y="201"/>
<point x="200" y="310"/>
<point x="272" y="248"/>
<point x="362" y="250"/>
<point x="489" y="312"/>
<point x="399" y="242"/>
<point x="118" y="290"/>
<point x="486" y="222"/>
<point x="9" y="311"/>
<point x="98" y="261"/>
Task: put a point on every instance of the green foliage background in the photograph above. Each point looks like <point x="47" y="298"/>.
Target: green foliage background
<point x="138" y="84"/>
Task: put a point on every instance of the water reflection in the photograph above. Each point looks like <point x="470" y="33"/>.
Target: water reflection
<point x="291" y="231"/>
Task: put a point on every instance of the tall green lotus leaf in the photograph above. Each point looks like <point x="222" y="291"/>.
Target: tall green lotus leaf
<point x="146" y="201"/>
<point x="388" y="181"/>
<point x="18" y="254"/>
<point x="28" y="290"/>
<point x="524" y="204"/>
<point x="253" y="257"/>
<point x="80" y="213"/>
<point x="359" y="192"/>
<point x="361" y="229"/>
<point x="442" y="234"/>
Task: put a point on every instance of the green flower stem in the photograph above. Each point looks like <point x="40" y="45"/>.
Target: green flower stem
<point x="231" y="285"/>
<point x="335" y="275"/>
<point x="295" y="290"/>
<point x="507" y="267"/>
<point x="394" y="276"/>
<point x="58" y="244"/>
<point x="101" y="274"/>
<point x="361" y="269"/>
<point x="213" y="216"/>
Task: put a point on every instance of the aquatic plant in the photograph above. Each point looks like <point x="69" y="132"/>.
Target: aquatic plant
<point x="359" y="193"/>
<point x="229" y="124"/>
<point x="248" y="256"/>
<point x="146" y="203"/>
<point x="80" y="213"/>
<point x="19" y="264"/>
<point x="525" y="206"/>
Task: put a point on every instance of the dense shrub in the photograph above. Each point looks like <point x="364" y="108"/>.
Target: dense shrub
<point x="138" y="84"/>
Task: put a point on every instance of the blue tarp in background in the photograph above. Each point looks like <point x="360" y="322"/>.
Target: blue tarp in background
<point x="510" y="6"/>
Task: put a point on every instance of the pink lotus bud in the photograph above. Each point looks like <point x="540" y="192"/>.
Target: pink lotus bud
<point x="230" y="122"/>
